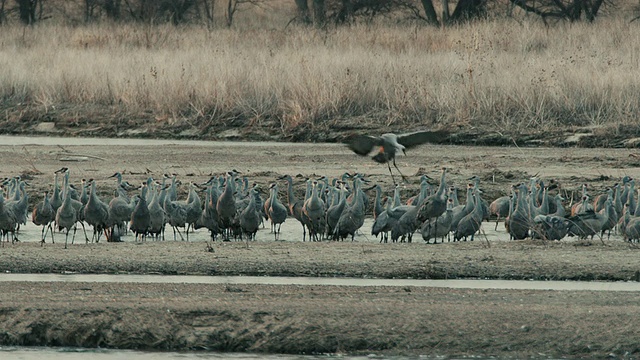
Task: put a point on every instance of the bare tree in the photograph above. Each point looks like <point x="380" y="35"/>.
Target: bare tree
<point x="153" y="10"/>
<point x="3" y="13"/>
<point x="572" y="10"/>
<point x="89" y="9"/>
<point x="209" y="7"/>
<point x="234" y="5"/>
<point x="28" y="10"/>
<point x="303" y="11"/>
<point x="112" y="8"/>
<point x="319" y="13"/>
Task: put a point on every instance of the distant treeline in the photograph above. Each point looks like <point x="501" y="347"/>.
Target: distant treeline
<point x="309" y="12"/>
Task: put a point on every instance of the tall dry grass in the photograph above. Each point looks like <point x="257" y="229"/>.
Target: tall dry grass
<point x="501" y="74"/>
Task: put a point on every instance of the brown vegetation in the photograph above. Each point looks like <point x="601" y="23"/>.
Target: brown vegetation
<point x="512" y="81"/>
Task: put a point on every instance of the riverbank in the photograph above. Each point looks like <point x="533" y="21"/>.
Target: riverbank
<point x="321" y="319"/>
<point x="522" y="260"/>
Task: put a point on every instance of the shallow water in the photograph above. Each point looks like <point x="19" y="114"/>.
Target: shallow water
<point x="33" y="353"/>
<point x="291" y="230"/>
<point x="283" y="280"/>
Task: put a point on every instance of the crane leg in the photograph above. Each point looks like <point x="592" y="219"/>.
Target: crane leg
<point x="390" y="172"/>
<point x="404" y="178"/>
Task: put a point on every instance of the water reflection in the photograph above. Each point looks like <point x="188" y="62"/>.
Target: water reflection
<point x="33" y="353"/>
<point x="320" y="281"/>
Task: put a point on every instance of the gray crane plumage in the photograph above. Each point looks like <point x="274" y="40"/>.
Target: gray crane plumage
<point x="385" y="221"/>
<point x="518" y="223"/>
<point x="430" y="230"/>
<point x="66" y="217"/>
<point x="251" y="217"/>
<point x="226" y="205"/>
<point x="96" y="213"/>
<point x="587" y="223"/>
<point x="140" y="219"/>
<point x="44" y="215"/>
<point x="471" y="223"/>
<point x="276" y="211"/>
<point x="550" y="227"/>
<point x="500" y="208"/>
<point x="388" y="145"/>
<point x="335" y="211"/>
<point x="176" y="215"/>
<point x="313" y="213"/>
<point x="352" y="217"/>
<point x="406" y="225"/>
<point x="435" y="205"/>
<point x="8" y="221"/>
<point x="293" y="204"/>
<point x="156" y="216"/>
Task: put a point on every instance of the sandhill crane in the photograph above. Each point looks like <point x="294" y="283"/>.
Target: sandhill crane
<point x="387" y="219"/>
<point x="397" y="201"/>
<point x="518" y="222"/>
<point x="617" y="199"/>
<point x="582" y="206"/>
<point x="406" y="225"/>
<point x="120" y="209"/>
<point x="500" y="208"/>
<point x="209" y="217"/>
<point x="176" y="215"/>
<point x="140" y="219"/>
<point x="425" y="190"/>
<point x="96" y="213"/>
<point x="550" y="227"/>
<point x="436" y="204"/>
<point x="19" y="204"/>
<point x="226" y="206"/>
<point x="471" y="223"/>
<point x="599" y="200"/>
<point x="335" y="211"/>
<point x="483" y="204"/>
<point x="8" y="220"/>
<point x="56" y="199"/>
<point x="293" y="204"/>
<point x="632" y="230"/>
<point x="156" y="216"/>
<point x="194" y="208"/>
<point x="461" y="211"/>
<point x="313" y="213"/>
<point x="430" y="231"/>
<point x="587" y="223"/>
<point x="44" y="215"/>
<point x="377" y="203"/>
<point x="84" y="195"/>
<point x="265" y="206"/>
<point x="388" y="145"/>
<point x="120" y="190"/>
<point x="250" y="218"/>
<point x="276" y="212"/>
<point x="66" y="217"/>
<point x="352" y="217"/>
<point x="612" y="217"/>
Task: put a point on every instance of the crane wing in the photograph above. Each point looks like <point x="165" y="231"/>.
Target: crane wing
<point x="363" y="144"/>
<point x="420" y="137"/>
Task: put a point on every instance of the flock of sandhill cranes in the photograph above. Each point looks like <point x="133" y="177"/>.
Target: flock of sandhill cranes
<point x="331" y="209"/>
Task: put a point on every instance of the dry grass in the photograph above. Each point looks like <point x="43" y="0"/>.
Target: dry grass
<point x="503" y="75"/>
